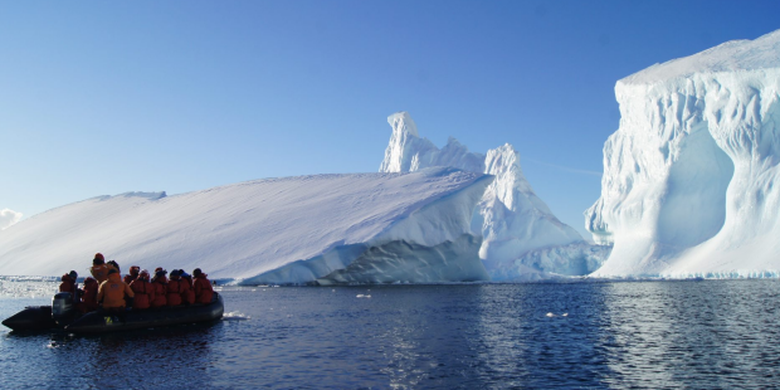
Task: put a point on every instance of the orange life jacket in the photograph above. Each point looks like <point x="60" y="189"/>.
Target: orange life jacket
<point x="99" y="272"/>
<point x="144" y="294"/>
<point x="113" y="291"/>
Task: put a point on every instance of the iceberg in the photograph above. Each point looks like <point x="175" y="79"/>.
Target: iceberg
<point x="522" y="239"/>
<point x="689" y="176"/>
<point x="326" y="229"/>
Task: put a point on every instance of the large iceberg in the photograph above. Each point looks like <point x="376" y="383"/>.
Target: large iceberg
<point x="356" y="228"/>
<point x="522" y="239"/>
<point x="689" y="176"/>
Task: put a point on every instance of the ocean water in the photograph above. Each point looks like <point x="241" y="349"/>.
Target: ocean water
<point x="644" y="335"/>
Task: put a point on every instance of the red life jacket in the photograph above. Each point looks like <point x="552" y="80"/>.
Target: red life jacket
<point x="174" y="292"/>
<point x="129" y="279"/>
<point x="144" y="294"/>
<point x="68" y="284"/>
<point x="89" y="299"/>
<point x="203" y="289"/>
<point x="160" y="292"/>
<point x="187" y="293"/>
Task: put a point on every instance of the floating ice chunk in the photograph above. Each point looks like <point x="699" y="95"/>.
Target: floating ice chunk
<point x="235" y="316"/>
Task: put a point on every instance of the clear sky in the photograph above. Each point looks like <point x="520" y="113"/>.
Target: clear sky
<point x="101" y="98"/>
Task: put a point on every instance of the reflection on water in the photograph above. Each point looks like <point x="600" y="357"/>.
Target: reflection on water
<point x="24" y="287"/>
<point x="712" y="334"/>
<point x="545" y="335"/>
<point x="584" y="335"/>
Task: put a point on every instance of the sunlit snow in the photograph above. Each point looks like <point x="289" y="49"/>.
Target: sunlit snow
<point x="362" y="228"/>
<point x="522" y="238"/>
<point x="689" y="177"/>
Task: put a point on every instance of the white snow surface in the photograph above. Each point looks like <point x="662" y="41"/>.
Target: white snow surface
<point x="689" y="176"/>
<point x="8" y="217"/>
<point x="351" y="228"/>
<point x="522" y="239"/>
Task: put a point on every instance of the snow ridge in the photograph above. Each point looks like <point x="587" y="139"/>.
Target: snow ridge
<point x="285" y="230"/>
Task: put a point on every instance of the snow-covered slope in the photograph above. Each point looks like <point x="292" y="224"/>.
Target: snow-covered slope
<point x="689" y="177"/>
<point x="522" y="238"/>
<point x="332" y="228"/>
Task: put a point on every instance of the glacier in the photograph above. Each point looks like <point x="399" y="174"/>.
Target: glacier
<point x="522" y="239"/>
<point x="319" y="229"/>
<point x="689" y="176"/>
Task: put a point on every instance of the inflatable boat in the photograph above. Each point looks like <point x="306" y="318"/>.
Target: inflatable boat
<point x="62" y="314"/>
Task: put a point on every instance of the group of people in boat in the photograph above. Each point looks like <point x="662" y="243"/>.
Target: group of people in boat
<point x="109" y="291"/>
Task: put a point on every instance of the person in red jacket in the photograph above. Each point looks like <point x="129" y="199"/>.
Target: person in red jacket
<point x="89" y="298"/>
<point x="69" y="283"/>
<point x="202" y="287"/>
<point x="144" y="291"/>
<point x="134" y="270"/>
<point x="187" y="293"/>
<point x="112" y="264"/>
<point x="174" y="289"/>
<point x="160" y="284"/>
<point x="112" y="292"/>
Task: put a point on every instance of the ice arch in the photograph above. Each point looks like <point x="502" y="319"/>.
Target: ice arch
<point x="694" y="206"/>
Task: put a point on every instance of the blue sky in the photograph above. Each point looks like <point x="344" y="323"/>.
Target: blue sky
<point x="101" y="98"/>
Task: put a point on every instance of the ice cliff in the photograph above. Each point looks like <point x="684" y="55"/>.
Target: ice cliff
<point x="357" y="228"/>
<point x="522" y="239"/>
<point x="689" y="176"/>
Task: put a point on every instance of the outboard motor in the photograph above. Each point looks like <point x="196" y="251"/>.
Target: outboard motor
<point x="62" y="308"/>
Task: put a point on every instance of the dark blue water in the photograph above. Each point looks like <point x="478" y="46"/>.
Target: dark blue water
<point x="705" y="334"/>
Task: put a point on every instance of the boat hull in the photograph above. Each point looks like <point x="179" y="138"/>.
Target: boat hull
<point x="31" y="318"/>
<point x="97" y="322"/>
<point x="40" y="318"/>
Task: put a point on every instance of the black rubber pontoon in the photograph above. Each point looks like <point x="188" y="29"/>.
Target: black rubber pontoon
<point x="31" y="318"/>
<point x="98" y="322"/>
<point x="40" y="318"/>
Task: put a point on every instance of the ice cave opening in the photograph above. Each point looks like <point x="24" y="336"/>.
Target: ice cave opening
<point x="694" y="206"/>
